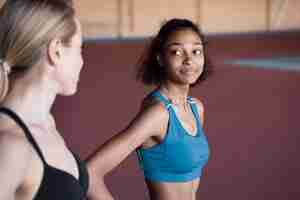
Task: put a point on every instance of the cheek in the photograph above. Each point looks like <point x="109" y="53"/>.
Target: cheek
<point x="200" y="62"/>
<point x="76" y="61"/>
<point x="172" y="63"/>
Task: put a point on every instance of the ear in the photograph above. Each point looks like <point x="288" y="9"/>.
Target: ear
<point x="55" y="51"/>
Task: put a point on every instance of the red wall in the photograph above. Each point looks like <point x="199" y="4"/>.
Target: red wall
<point x="251" y="116"/>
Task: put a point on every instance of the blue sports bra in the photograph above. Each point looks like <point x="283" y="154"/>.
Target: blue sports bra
<point x="180" y="157"/>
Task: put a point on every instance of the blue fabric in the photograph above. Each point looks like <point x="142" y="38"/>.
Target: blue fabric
<point x="180" y="157"/>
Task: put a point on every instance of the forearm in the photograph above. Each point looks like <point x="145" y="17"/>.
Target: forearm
<point x="101" y="194"/>
<point x="110" y="154"/>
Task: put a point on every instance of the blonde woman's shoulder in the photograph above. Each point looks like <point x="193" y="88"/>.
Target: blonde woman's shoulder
<point x="15" y="157"/>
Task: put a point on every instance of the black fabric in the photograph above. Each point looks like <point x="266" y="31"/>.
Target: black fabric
<point x="56" y="184"/>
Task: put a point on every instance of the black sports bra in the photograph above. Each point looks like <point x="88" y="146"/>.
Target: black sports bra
<point x="56" y="184"/>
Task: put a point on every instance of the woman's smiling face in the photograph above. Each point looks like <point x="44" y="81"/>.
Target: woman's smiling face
<point x="183" y="57"/>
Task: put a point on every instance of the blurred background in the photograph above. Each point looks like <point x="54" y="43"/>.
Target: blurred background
<point x="139" y="18"/>
<point x="251" y="100"/>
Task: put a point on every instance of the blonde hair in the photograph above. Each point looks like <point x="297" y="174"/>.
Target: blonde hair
<point x="26" y="29"/>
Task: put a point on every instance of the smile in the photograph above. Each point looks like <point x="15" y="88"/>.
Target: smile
<point x="188" y="71"/>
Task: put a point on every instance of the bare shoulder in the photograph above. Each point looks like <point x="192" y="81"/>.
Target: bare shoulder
<point x="150" y="120"/>
<point x="152" y="107"/>
<point x="13" y="146"/>
<point x="15" y="158"/>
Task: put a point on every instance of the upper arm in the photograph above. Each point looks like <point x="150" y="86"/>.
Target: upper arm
<point x="14" y="158"/>
<point x="146" y="124"/>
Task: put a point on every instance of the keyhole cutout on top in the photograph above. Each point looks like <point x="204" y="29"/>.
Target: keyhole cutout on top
<point x="187" y="119"/>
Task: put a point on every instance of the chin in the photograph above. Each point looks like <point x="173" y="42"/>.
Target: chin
<point x="189" y="81"/>
<point x="193" y="82"/>
<point x="194" y="79"/>
<point x="73" y="92"/>
<point x="69" y="92"/>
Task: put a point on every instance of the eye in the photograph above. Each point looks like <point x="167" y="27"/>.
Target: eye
<point x="176" y="52"/>
<point x="197" y="52"/>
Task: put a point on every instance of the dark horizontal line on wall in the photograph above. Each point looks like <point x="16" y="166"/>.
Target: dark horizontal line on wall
<point x="244" y="35"/>
<point x="114" y="39"/>
<point x="256" y="34"/>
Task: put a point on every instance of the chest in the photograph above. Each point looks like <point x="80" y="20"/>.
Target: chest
<point x="61" y="168"/>
<point x="54" y="149"/>
<point x="183" y="150"/>
<point x="185" y="118"/>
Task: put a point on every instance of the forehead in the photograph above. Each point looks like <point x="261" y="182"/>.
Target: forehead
<point x="184" y="36"/>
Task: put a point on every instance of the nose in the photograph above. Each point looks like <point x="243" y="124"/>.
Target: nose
<point x="188" y="59"/>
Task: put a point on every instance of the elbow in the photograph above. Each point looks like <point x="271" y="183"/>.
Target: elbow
<point x="97" y="189"/>
<point x="95" y="171"/>
<point x="96" y="179"/>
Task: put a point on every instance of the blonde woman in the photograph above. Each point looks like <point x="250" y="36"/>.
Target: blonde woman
<point x="40" y="58"/>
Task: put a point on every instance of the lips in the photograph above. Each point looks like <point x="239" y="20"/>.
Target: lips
<point x="188" y="71"/>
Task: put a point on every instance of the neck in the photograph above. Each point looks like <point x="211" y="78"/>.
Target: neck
<point x="31" y="96"/>
<point x="177" y="94"/>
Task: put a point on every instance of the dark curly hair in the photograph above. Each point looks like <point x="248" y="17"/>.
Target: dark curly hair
<point x="149" y="70"/>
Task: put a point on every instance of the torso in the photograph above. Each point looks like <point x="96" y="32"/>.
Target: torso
<point x="186" y="118"/>
<point x="55" y="153"/>
<point x="173" y="190"/>
<point x="54" y="150"/>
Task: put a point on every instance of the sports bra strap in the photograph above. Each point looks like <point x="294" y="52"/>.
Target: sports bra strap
<point x="195" y="110"/>
<point x="28" y="135"/>
<point x="166" y="102"/>
<point x="191" y="100"/>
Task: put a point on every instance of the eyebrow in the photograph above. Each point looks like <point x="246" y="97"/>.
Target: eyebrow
<point x="180" y="44"/>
